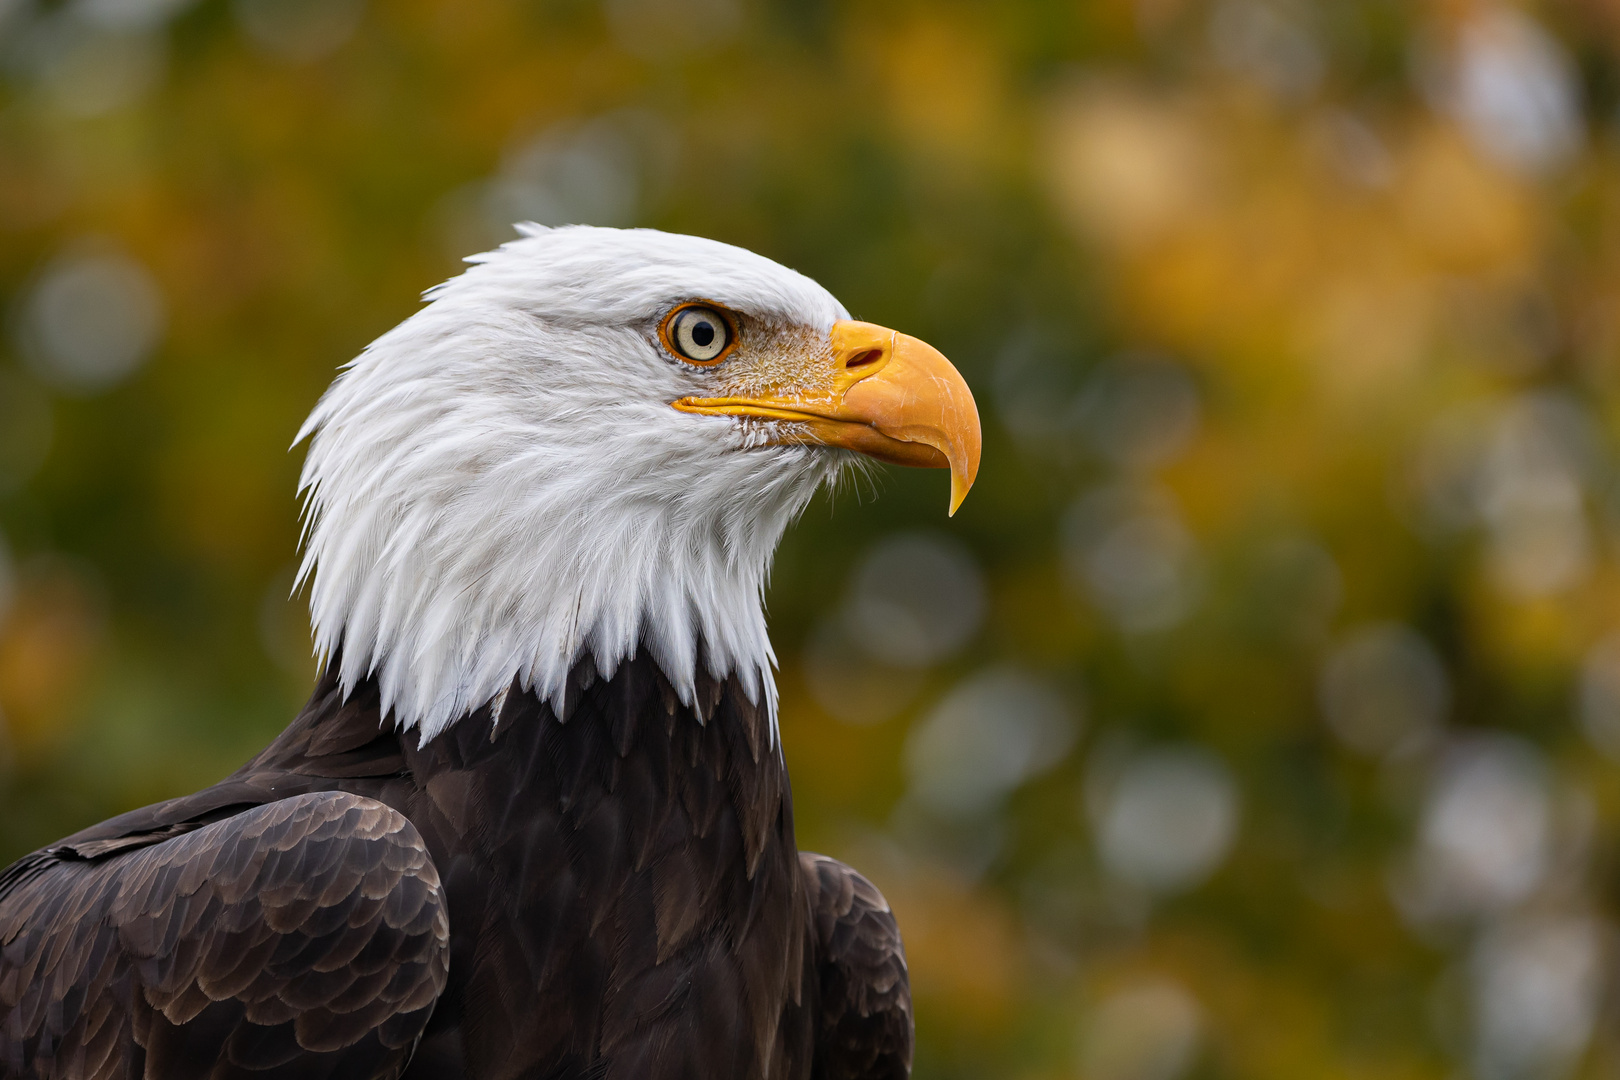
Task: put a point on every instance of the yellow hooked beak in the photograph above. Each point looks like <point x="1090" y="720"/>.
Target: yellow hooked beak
<point x="891" y="397"/>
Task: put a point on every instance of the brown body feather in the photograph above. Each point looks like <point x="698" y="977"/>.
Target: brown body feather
<point x="611" y="894"/>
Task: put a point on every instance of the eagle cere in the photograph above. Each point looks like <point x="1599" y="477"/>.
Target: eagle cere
<point x="534" y="820"/>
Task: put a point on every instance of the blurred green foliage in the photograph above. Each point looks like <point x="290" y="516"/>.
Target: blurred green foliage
<point x="1261" y="717"/>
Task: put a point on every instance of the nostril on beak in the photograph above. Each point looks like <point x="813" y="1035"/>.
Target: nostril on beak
<point x="863" y="359"/>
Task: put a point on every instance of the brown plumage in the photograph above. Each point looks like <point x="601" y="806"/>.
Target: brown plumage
<point x="614" y="893"/>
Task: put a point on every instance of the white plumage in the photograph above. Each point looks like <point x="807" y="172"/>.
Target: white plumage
<point x="498" y="487"/>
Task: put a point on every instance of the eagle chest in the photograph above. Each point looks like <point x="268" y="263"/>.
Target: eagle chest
<point x="624" y="890"/>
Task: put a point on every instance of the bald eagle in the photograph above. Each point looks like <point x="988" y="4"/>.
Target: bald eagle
<point x="534" y="820"/>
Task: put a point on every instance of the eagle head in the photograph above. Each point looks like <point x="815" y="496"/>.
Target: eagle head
<point x="588" y="443"/>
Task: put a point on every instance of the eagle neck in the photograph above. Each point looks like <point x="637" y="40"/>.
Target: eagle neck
<point x="448" y="606"/>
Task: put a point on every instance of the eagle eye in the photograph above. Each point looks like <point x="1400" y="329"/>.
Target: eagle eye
<point x="698" y="334"/>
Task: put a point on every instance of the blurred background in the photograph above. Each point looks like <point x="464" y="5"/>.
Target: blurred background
<point x="1258" y="716"/>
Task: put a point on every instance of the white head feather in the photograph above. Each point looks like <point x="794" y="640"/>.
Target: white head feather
<point x="498" y="488"/>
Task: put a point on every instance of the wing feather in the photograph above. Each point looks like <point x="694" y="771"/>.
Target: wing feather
<point x="865" y="1030"/>
<point x="306" y="937"/>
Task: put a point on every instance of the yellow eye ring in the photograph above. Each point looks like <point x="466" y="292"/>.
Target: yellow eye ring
<point x="699" y="333"/>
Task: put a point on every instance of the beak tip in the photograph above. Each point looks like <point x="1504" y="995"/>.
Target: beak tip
<point x="959" y="492"/>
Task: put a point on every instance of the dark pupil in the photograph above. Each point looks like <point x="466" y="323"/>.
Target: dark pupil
<point x="703" y="334"/>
